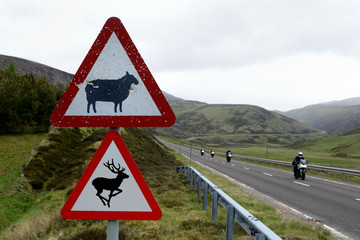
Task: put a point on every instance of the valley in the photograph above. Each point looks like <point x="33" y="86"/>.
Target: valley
<point x="34" y="187"/>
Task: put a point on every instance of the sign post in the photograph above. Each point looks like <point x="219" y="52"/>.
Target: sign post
<point x="112" y="229"/>
<point x="113" y="88"/>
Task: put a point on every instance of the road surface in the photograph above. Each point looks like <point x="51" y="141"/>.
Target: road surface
<point x="335" y="204"/>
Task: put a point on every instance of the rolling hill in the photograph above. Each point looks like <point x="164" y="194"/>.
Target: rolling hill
<point x="197" y="118"/>
<point x="193" y="118"/>
<point x="336" y="117"/>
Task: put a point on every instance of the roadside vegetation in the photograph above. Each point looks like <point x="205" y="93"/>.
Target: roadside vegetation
<point x="37" y="216"/>
<point x="26" y="102"/>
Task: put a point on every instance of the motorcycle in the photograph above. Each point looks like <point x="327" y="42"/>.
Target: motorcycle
<point x="202" y="152"/>
<point x="228" y="156"/>
<point x="301" y="169"/>
<point x="212" y="153"/>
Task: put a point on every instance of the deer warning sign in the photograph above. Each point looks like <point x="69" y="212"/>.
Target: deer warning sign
<point x="113" y="87"/>
<point x="112" y="187"/>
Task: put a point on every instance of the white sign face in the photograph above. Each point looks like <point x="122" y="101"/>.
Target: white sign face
<point x="130" y="199"/>
<point x="113" y="87"/>
<point x="112" y="64"/>
<point x="112" y="187"/>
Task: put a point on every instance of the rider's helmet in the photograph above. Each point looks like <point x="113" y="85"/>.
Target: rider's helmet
<point x="300" y="154"/>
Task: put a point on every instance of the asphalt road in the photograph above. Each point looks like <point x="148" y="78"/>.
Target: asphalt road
<point x="335" y="204"/>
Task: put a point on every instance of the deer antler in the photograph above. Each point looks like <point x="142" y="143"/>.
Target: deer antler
<point x="111" y="166"/>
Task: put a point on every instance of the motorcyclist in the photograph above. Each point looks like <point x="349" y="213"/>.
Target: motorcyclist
<point x="212" y="152"/>
<point x="202" y="151"/>
<point x="228" y="155"/>
<point x="296" y="162"/>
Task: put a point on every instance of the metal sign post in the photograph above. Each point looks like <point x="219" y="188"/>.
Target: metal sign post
<point x="112" y="88"/>
<point x="112" y="231"/>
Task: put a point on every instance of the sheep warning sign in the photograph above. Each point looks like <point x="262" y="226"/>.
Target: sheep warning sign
<point x="112" y="187"/>
<point x="113" y="87"/>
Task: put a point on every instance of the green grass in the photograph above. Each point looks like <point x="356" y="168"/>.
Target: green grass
<point x="16" y="197"/>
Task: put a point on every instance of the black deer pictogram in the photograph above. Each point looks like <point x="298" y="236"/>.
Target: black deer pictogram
<point x="111" y="184"/>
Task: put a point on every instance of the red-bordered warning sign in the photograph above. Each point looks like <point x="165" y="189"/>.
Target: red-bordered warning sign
<point x="113" y="87"/>
<point x="112" y="187"/>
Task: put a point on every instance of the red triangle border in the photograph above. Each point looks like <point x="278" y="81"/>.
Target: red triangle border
<point x="167" y="117"/>
<point x="155" y="214"/>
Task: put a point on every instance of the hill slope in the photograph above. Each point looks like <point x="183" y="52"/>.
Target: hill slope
<point x="193" y="118"/>
<point x="336" y="117"/>
<point x="196" y="118"/>
<point x="57" y="77"/>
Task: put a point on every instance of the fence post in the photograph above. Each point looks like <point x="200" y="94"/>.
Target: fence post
<point x="215" y="199"/>
<point x="205" y="201"/>
<point x="230" y="223"/>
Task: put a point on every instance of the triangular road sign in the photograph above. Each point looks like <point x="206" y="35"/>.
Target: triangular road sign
<point x="112" y="187"/>
<point x="113" y="87"/>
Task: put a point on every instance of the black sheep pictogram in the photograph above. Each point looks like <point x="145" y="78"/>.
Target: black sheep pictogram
<point x="109" y="90"/>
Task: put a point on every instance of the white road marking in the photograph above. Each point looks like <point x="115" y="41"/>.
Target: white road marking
<point x="233" y="165"/>
<point x="331" y="181"/>
<point x="336" y="233"/>
<point x="357" y="199"/>
<point x="303" y="184"/>
<point x="268" y="174"/>
<point x="246" y="168"/>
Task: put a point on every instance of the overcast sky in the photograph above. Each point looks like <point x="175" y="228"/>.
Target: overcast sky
<point x="279" y="55"/>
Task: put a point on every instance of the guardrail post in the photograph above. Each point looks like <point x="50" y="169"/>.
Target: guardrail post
<point x="199" y="187"/>
<point x="194" y="180"/>
<point x="230" y="223"/>
<point x="215" y="200"/>
<point x="191" y="177"/>
<point x="205" y="201"/>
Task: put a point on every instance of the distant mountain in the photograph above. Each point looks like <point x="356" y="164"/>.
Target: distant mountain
<point x="344" y="103"/>
<point x="55" y="76"/>
<point x="336" y="117"/>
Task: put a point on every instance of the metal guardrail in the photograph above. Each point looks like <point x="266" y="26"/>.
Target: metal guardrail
<point x="315" y="168"/>
<point x="255" y="228"/>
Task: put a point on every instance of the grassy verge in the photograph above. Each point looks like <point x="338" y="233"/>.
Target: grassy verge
<point x="16" y="196"/>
